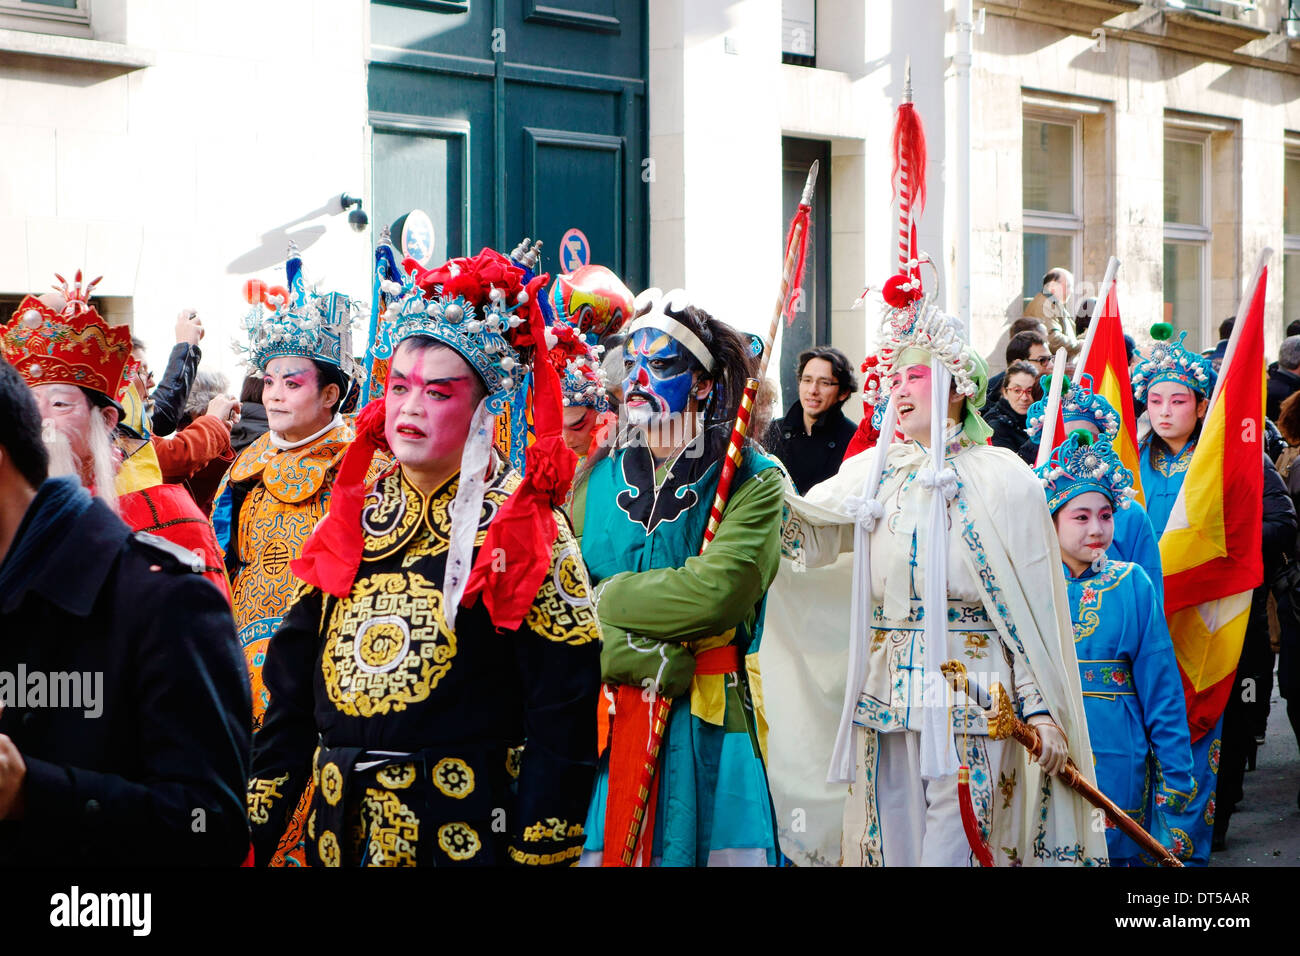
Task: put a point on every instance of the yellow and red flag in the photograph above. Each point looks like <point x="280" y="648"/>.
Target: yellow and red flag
<point x="1211" y="547"/>
<point x="1107" y="364"/>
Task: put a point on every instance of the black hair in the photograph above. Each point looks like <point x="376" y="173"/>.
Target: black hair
<point x="1026" y="323"/>
<point x="327" y="374"/>
<point x="1022" y="367"/>
<point x="1293" y="328"/>
<point x="844" y="377"/>
<point x="1225" y="327"/>
<point x="1021" y="343"/>
<point x="1054" y="275"/>
<point x="1083" y="317"/>
<point x="733" y="364"/>
<point x="251" y="390"/>
<point x="1129" y="346"/>
<point x="20" y="427"/>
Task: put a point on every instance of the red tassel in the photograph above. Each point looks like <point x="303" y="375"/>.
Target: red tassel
<point x="968" y="821"/>
<point x="631" y="770"/>
<point x="802" y="222"/>
<point x="909" y="150"/>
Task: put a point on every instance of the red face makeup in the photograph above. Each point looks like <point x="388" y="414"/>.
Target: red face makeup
<point x="430" y="400"/>
<point x="579" y="421"/>
<point x="296" y="405"/>
<point x="1173" y="410"/>
<point x="910" y="388"/>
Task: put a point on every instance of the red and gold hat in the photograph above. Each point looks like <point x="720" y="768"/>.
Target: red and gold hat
<point x="74" y="346"/>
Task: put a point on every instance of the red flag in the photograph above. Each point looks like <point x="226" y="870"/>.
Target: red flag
<point x="1107" y="364"/>
<point x="1211" y="547"/>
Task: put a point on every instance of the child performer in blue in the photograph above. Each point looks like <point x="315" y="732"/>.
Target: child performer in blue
<point x="1132" y="690"/>
<point x="1135" y="539"/>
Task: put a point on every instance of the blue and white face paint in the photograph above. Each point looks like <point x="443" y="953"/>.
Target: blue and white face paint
<point x="659" y="376"/>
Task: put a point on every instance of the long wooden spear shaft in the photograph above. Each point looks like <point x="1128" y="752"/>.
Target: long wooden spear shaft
<point x="735" y="447"/>
<point x="1004" y="723"/>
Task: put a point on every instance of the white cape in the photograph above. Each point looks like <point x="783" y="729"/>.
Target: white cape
<point x="804" y="652"/>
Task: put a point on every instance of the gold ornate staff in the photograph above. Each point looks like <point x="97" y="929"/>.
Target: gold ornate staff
<point x="1004" y="723"/>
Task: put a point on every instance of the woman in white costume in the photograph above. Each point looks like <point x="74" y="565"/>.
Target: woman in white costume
<point x="953" y="556"/>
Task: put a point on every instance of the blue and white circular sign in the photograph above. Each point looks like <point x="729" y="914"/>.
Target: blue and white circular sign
<point x="575" y="251"/>
<point x="417" y="236"/>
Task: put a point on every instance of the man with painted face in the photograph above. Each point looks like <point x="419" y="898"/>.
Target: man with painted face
<point x="954" y="556"/>
<point x="676" y="622"/>
<point x="440" y="725"/>
<point x="278" y="487"/>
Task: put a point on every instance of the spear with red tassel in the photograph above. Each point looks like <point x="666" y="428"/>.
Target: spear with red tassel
<point x="640" y="827"/>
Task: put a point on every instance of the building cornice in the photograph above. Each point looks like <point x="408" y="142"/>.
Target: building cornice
<point x="1203" y="35"/>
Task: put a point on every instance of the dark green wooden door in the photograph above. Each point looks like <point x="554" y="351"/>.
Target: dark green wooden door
<point x="512" y="118"/>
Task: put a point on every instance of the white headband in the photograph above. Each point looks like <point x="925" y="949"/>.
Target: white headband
<point x="657" y="319"/>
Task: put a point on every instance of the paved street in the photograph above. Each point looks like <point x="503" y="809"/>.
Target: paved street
<point x="1265" y="829"/>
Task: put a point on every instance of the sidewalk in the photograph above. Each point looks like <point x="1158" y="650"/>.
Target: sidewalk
<point x="1265" y="829"/>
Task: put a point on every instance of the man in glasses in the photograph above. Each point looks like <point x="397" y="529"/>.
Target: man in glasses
<point x="812" y="437"/>
<point x="1027" y="346"/>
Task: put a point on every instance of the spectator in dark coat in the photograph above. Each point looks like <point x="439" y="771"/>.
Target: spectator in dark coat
<point x="1020" y="389"/>
<point x="137" y="751"/>
<point x="1284" y="377"/>
<point x="1288" y="603"/>
<point x="1025" y="346"/>
<point x="1242" y="723"/>
<point x="812" y="437"/>
<point x="252" y="415"/>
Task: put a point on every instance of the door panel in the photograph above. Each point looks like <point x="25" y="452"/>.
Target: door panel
<point x="539" y="133"/>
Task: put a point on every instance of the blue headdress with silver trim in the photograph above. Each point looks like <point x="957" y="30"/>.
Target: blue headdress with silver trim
<point x="1077" y="466"/>
<point x="1079" y="403"/>
<point x="297" y="320"/>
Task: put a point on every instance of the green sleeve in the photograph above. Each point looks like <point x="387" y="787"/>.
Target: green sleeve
<point x="713" y="591"/>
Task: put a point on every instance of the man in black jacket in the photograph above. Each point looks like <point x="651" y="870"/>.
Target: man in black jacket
<point x="1284" y="376"/>
<point x="166" y="404"/>
<point x="124" y="728"/>
<point x="812" y="437"/>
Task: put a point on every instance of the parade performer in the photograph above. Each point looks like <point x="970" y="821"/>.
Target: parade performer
<point x="278" y="487"/>
<point x="585" y="399"/>
<point x="1133" y="538"/>
<point x="1218" y="513"/>
<point x="1175" y="384"/>
<point x="1132" y="691"/>
<point x="82" y="372"/>
<point x="593" y="301"/>
<point x="920" y="594"/>
<point x="444" y="622"/>
<point x="676" y="622"/>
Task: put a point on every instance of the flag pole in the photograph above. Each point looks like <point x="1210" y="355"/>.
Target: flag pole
<point x="1112" y="266"/>
<point x="1260" y="263"/>
<point x="1048" y="440"/>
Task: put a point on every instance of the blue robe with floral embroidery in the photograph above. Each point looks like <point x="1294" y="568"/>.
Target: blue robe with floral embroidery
<point x="1133" y="698"/>
<point x="1136" y="540"/>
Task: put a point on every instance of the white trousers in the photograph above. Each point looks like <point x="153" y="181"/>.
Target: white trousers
<point x="894" y="818"/>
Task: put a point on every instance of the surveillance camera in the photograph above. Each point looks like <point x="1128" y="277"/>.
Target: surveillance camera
<point x="358" y="220"/>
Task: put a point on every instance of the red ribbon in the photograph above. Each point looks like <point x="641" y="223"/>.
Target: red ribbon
<point x="331" y="556"/>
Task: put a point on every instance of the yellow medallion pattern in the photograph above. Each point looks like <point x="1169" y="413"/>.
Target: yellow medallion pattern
<point x="331" y="783"/>
<point x="391" y="829"/>
<point x="453" y="777"/>
<point x="397" y="776"/>
<point x="459" y="840"/>
<point x="328" y="848"/>
<point x="562" y="611"/>
<point x="388" y="646"/>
